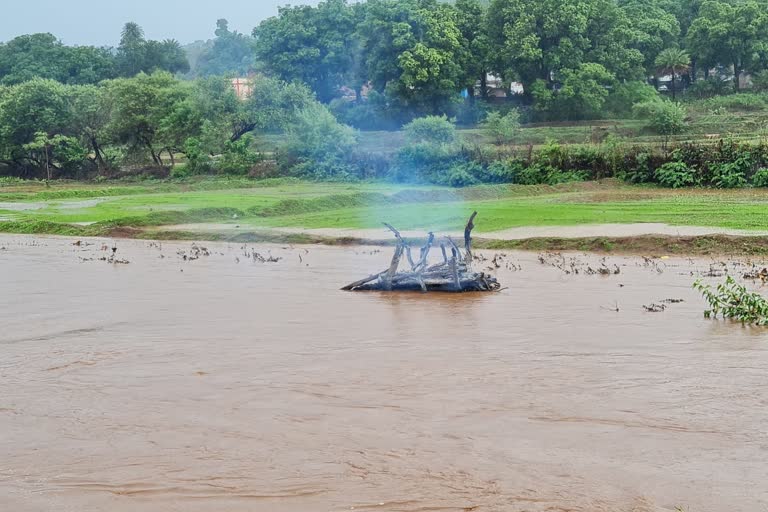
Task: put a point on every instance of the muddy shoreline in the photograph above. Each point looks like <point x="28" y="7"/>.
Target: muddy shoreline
<point x="632" y="239"/>
<point x="696" y="245"/>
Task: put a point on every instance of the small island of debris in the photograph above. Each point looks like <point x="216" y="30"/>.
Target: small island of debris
<point x="453" y="274"/>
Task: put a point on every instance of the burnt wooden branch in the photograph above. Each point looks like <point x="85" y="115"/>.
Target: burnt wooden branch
<point x="453" y="274"/>
<point x="468" y="237"/>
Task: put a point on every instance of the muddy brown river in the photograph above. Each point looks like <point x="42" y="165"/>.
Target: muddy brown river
<point x="228" y="384"/>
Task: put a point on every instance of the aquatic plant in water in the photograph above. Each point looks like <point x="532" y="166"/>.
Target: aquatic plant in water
<point x="734" y="301"/>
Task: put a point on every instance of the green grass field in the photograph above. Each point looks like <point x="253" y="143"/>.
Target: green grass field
<point x="286" y="203"/>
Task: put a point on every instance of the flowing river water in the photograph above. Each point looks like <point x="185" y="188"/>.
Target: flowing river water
<point x="228" y="384"/>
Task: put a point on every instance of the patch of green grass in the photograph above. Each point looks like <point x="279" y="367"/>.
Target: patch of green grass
<point x="544" y="210"/>
<point x="367" y="205"/>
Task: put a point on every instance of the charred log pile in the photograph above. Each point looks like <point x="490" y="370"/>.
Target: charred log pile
<point x="453" y="274"/>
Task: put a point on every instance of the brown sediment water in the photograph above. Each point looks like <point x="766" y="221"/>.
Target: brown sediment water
<point x="226" y="384"/>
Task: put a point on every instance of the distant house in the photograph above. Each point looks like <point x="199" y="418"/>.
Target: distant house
<point x="243" y="87"/>
<point x="497" y="88"/>
<point x="349" y="94"/>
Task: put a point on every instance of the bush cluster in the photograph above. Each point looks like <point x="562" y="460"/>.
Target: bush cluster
<point x="727" y="164"/>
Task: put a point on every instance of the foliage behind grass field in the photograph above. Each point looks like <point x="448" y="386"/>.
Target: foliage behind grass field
<point x="366" y="205"/>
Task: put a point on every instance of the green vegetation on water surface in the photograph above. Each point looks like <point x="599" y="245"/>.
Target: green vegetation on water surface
<point x="295" y="204"/>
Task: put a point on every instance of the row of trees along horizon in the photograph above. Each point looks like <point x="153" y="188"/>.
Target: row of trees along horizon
<point x="146" y="100"/>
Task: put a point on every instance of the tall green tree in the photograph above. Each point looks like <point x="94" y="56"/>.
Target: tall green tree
<point x="230" y="53"/>
<point x="414" y="51"/>
<point x="224" y="118"/>
<point x="673" y="61"/>
<point x="582" y="94"/>
<point x="135" y="54"/>
<point x="166" y="55"/>
<point x="314" y="45"/>
<point x="539" y="39"/>
<point x="142" y="106"/>
<point x="43" y="56"/>
<point x="36" y="128"/>
<point x="733" y="34"/>
<point x="471" y="23"/>
<point x="131" y="53"/>
<point x="90" y="112"/>
<point x="652" y="29"/>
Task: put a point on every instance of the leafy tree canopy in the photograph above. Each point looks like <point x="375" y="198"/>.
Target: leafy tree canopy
<point x="135" y="54"/>
<point x="314" y="45"/>
<point x="43" y="56"/>
<point x="230" y="54"/>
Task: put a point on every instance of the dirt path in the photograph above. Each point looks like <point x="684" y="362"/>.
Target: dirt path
<point x="521" y="233"/>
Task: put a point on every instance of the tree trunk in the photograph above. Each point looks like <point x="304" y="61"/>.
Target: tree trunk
<point x="47" y="162"/>
<point x="673" y="86"/>
<point x="736" y="75"/>
<point x="155" y="157"/>
<point x="484" y="85"/>
<point x="693" y="71"/>
<point x="100" y="163"/>
<point x="241" y="130"/>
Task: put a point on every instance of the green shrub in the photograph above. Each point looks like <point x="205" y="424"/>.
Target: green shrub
<point x="500" y="171"/>
<point x="709" y="88"/>
<point x="238" y="158"/>
<point x="665" y="117"/>
<point x="113" y="157"/>
<point x="534" y="175"/>
<point x="198" y="161"/>
<point x="637" y="170"/>
<point x="732" y="300"/>
<point x="504" y="128"/>
<point x="582" y="93"/>
<point x="326" y="169"/>
<point x="728" y="175"/>
<point x="461" y="174"/>
<point x="318" y="146"/>
<point x="760" y="179"/>
<point x="625" y="95"/>
<point x="180" y="172"/>
<point x="538" y="174"/>
<point x="424" y="162"/>
<point x="431" y="129"/>
<point x="675" y="175"/>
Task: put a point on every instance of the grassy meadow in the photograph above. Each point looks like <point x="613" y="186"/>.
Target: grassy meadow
<point x="80" y="208"/>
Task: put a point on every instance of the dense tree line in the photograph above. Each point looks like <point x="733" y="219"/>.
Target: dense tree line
<point x="44" y="56"/>
<point x="52" y="130"/>
<point x="68" y="111"/>
<point x="568" y="54"/>
<point x="419" y="55"/>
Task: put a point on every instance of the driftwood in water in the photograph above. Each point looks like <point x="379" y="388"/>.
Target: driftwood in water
<point x="453" y="274"/>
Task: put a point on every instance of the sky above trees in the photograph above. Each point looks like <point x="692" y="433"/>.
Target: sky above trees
<point x="97" y="22"/>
